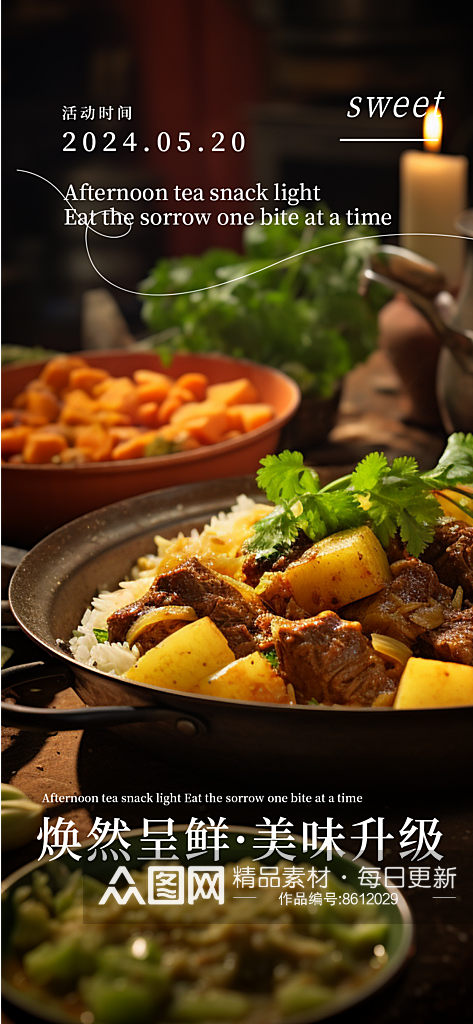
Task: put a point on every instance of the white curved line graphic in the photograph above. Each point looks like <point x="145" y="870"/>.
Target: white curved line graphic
<point x="232" y="280"/>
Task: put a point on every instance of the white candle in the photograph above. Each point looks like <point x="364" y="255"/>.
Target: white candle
<point x="433" y="193"/>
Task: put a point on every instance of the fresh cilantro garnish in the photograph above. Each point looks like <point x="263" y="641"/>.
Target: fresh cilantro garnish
<point x="101" y="635"/>
<point x="369" y="471"/>
<point x="302" y="506"/>
<point x="397" y="498"/>
<point x="274" y="534"/>
<point x="271" y="656"/>
<point x="455" y="466"/>
<point x="326" y="513"/>
<point x="284" y="477"/>
<point x="390" y="498"/>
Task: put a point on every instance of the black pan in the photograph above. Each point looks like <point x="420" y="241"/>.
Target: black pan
<point x="56" y="581"/>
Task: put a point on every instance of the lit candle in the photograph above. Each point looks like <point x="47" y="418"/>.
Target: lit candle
<point x="433" y="193"/>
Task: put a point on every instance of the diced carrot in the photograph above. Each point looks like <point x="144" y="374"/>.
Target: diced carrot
<point x="38" y="385"/>
<point x="119" y="434"/>
<point x="207" y="429"/>
<point x="20" y="400"/>
<point x="24" y="399"/>
<point x="103" y="386"/>
<point x="183" y="394"/>
<point x="78" y="408"/>
<point x="194" y="382"/>
<point x="30" y="419"/>
<point x="190" y="410"/>
<point x="214" y="415"/>
<point x="235" y="421"/>
<point x="152" y="377"/>
<point x="135" y="447"/>
<point x="8" y="418"/>
<point x="148" y="414"/>
<point x="56" y="372"/>
<point x="59" y="428"/>
<point x="256" y="415"/>
<point x="43" y="403"/>
<point x="14" y="439"/>
<point x="108" y="418"/>
<point x="152" y="391"/>
<point x="95" y="442"/>
<point x="40" y="446"/>
<point x="121" y="396"/>
<point x="233" y="392"/>
<point x="168" y="408"/>
<point x="172" y="431"/>
<point x="86" y="377"/>
<point x="117" y="417"/>
<point x="33" y="387"/>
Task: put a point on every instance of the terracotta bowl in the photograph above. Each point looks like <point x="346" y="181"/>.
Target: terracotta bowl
<point x="38" y="499"/>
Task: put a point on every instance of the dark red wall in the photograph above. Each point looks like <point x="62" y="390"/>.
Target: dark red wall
<point x="200" y="64"/>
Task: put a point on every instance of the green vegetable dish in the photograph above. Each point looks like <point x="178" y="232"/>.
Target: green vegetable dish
<point x="327" y="943"/>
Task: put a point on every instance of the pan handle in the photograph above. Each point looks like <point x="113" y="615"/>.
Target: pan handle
<point x="66" y="719"/>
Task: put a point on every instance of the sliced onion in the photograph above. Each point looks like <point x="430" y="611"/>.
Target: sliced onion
<point x="244" y="588"/>
<point x="457" y="599"/>
<point x="172" y="611"/>
<point x="392" y="650"/>
<point x="429" y="616"/>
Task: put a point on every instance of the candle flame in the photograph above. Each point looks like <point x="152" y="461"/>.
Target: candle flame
<point x="432" y="129"/>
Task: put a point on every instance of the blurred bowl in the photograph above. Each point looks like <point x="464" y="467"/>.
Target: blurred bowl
<point x="39" y="498"/>
<point x="398" y="942"/>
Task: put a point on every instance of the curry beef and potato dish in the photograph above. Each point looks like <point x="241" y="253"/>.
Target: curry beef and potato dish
<point x="359" y="594"/>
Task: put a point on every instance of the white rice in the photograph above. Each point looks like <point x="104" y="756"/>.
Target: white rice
<point x="117" y="658"/>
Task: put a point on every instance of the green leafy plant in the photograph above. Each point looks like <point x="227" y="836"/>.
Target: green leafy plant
<point x="389" y="498"/>
<point x="303" y="316"/>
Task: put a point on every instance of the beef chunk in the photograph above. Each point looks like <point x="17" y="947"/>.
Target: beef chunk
<point x="396" y="549"/>
<point x="207" y="593"/>
<point x="330" y="660"/>
<point x="453" y="641"/>
<point x="120" y="621"/>
<point x="264" y="636"/>
<point x="253" y="567"/>
<point x="412" y="603"/>
<point x="451" y="555"/>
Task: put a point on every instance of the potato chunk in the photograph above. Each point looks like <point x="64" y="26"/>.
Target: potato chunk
<point x="185" y="658"/>
<point x="434" y="684"/>
<point x="250" y="678"/>
<point x="337" y="570"/>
